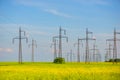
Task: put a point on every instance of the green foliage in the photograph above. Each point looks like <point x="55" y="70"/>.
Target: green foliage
<point x="115" y="60"/>
<point x="59" y="60"/>
<point x="111" y="60"/>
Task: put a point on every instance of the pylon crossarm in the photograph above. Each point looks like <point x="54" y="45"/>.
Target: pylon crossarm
<point x="14" y="39"/>
<point x="83" y="39"/>
<point x="55" y="38"/>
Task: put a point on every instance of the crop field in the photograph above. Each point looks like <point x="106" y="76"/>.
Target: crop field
<point x="51" y="71"/>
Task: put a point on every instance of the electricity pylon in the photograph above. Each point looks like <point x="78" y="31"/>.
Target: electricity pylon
<point x="106" y="55"/>
<point x="67" y="57"/>
<point x="34" y="44"/>
<point x="60" y="36"/>
<point x="20" y="37"/>
<point x="78" y="50"/>
<point x="108" y="52"/>
<point x="70" y="56"/>
<point x="98" y="56"/>
<point x="94" y="52"/>
<point x="115" y="44"/>
<point x="55" y="48"/>
<point x="71" y="53"/>
<point x="87" y="55"/>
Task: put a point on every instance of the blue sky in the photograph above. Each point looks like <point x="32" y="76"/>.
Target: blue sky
<point x="41" y="20"/>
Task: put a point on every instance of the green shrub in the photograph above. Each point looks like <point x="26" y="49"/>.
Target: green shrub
<point x="59" y="60"/>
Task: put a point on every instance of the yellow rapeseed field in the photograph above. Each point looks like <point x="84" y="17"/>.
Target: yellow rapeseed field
<point x="67" y="71"/>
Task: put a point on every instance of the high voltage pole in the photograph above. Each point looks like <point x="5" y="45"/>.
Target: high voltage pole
<point x="98" y="56"/>
<point x="20" y="37"/>
<point x="55" y="48"/>
<point x="71" y="53"/>
<point x="94" y="52"/>
<point x="34" y="44"/>
<point x="115" y="44"/>
<point x="108" y="52"/>
<point x="78" y="50"/>
<point x="106" y="55"/>
<point x="87" y="55"/>
<point x="67" y="57"/>
<point x="60" y="40"/>
<point x="78" y="53"/>
<point x="70" y="56"/>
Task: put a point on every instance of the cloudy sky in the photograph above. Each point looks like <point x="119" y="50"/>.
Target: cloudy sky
<point x="41" y="20"/>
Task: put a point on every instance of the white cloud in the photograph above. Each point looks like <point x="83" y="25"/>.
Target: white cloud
<point x="58" y="13"/>
<point x="44" y="6"/>
<point x="98" y="2"/>
<point x="8" y="50"/>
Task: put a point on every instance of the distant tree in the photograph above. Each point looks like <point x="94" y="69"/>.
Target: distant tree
<point x="59" y="60"/>
<point x="111" y="60"/>
<point x="115" y="60"/>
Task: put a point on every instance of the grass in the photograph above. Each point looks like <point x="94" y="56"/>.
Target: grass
<point x="51" y="71"/>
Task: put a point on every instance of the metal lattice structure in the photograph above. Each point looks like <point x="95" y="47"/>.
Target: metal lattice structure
<point x="78" y="49"/>
<point x="95" y="50"/>
<point x="108" y="54"/>
<point x="87" y="55"/>
<point x="97" y="56"/>
<point x="70" y="56"/>
<point x="20" y="37"/>
<point x="55" y="48"/>
<point x="33" y="45"/>
<point x="60" y="36"/>
<point x="114" y="44"/>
